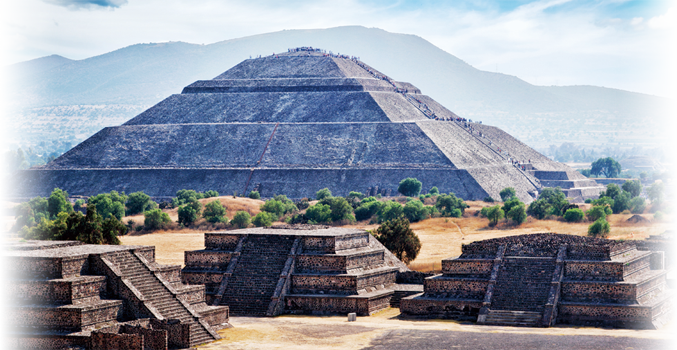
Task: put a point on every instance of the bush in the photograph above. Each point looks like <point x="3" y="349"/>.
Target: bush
<point x="241" y="219"/>
<point x="279" y="206"/>
<point x="510" y="203"/>
<point x="185" y="197"/>
<point x="488" y="199"/>
<point x="409" y="187"/>
<point x="600" y="228"/>
<point x="574" y="215"/>
<point x="297" y="219"/>
<point x="612" y="190"/>
<point x="507" y="193"/>
<point x="517" y="213"/>
<point x="322" y="194"/>
<point x="112" y="203"/>
<point x="211" y="194"/>
<point x="447" y="203"/>
<point x="154" y="219"/>
<point x="263" y="219"/>
<point x="588" y="201"/>
<point x="390" y="211"/>
<point x="138" y="202"/>
<point x="494" y="214"/>
<point x="621" y="202"/>
<point x="656" y="193"/>
<point x="254" y="195"/>
<point x="634" y="187"/>
<point x="318" y="213"/>
<point x="340" y="209"/>
<point x="434" y="191"/>
<point x="637" y="205"/>
<point x="302" y="204"/>
<point x="189" y="213"/>
<point x="354" y="199"/>
<point x="368" y="209"/>
<point x="414" y="211"/>
<point x="596" y="212"/>
<point x="215" y="212"/>
<point x="399" y="238"/>
<point x="58" y="202"/>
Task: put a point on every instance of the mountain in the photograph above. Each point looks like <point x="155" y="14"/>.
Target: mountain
<point x="141" y="75"/>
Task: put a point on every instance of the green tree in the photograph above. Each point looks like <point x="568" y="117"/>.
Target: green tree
<point x="612" y="190"/>
<point x="110" y="203"/>
<point x="138" y="202"/>
<point x="274" y="207"/>
<point x="215" y="212"/>
<point x="656" y="193"/>
<point x="322" y="194"/>
<point x="434" y="191"/>
<point x="189" y="213"/>
<point x="211" y="194"/>
<point x="155" y="219"/>
<point x="606" y="166"/>
<point x="574" y="215"/>
<point x="354" y="198"/>
<point x="634" y="187"/>
<point x="340" y="209"/>
<point x="517" y="213"/>
<point x="91" y="231"/>
<point x="254" y="195"/>
<point x="450" y="205"/>
<point x="399" y="238"/>
<point x="241" y="219"/>
<point x="319" y="213"/>
<point x="58" y="202"/>
<point x="507" y="193"/>
<point x="390" y="211"/>
<point x="637" y="205"/>
<point x="79" y="204"/>
<point x="409" y="187"/>
<point x="550" y="201"/>
<point x="111" y="228"/>
<point x="30" y="213"/>
<point x="186" y="196"/>
<point x="494" y="214"/>
<point x="596" y="212"/>
<point x="621" y="202"/>
<point x="368" y="209"/>
<point x="510" y="203"/>
<point x="600" y="228"/>
<point x="415" y="211"/>
<point x="539" y="209"/>
<point x="263" y="219"/>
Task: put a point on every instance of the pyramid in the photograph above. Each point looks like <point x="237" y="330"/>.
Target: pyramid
<point x="297" y="122"/>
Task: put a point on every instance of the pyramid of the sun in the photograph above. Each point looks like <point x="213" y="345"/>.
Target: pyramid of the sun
<point x="295" y="123"/>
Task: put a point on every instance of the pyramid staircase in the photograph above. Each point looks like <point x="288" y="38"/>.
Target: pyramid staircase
<point x="521" y="291"/>
<point x="158" y="295"/>
<point x="251" y="286"/>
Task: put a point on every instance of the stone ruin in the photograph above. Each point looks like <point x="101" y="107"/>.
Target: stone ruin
<point x="65" y="294"/>
<point x="294" y="123"/>
<point x="298" y="269"/>
<point x="547" y="279"/>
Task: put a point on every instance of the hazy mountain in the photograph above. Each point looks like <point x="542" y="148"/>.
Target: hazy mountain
<point x="143" y="74"/>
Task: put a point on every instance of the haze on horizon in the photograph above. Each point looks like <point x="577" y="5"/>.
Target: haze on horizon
<point x="623" y="44"/>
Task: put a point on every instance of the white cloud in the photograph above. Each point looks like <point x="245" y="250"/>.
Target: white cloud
<point x="664" y="21"/>
<point x="12" y="42"/>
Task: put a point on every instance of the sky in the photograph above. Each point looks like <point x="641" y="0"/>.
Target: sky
<point x="612" y="43"/>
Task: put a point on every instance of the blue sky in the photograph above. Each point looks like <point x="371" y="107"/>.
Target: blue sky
<point x="613" y="43"/>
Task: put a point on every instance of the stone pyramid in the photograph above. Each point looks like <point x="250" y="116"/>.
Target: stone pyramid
<point x="295" y="123"/>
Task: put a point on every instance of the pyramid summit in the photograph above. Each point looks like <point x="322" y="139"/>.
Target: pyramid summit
<point x="294" y="123"/>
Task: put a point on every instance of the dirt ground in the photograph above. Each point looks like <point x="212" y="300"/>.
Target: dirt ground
<point x="335" y="332"/>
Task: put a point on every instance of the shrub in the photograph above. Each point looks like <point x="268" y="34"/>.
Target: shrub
<point x="112" y="203"/>
<point x="596" y="212"/>
<point x="155" y="219"/>
<point x="637" y="205"/>
<point x="510" y="203"/>
<point x="634" y="187"/>
<point x="517" y="213"/>
<point x="656" y="193"/>
<point x="494" y="214"/>
<point x="186" y="196"/>
<point x="399" y="238"/>
<point x="215" y="212"/>
<point x="274" y="207"/>
<point x="507" y="193"/>
<point x="434" y="191"/>
<point x="241" y="219"/>
<point x="254" y="195"/>
<point x="189" y="213"/>
<point x="621" y="202"/>
<point x="600" y="228"/>
<point x="368" y="209"/>
<point x="589" y="200"/>
<point x="612" y="190"/>
<point x="447" y="203"/>
<point x="340" y="209"/>
<point x="79" y="204"/>
<point x="319" y="213"/>
<point x="354" y="199"/>
<point x="263" y="219"/>
<point x="58" y="202"/>
<point x="556" y="199"/>
<point x="210" y="194"/>
<point x="409" y="187"/>
<point x="390" y="211"/>
<point x="302" y="204"/>
<point x="297" y="219"/>
<point x="322" y="194"/>
<point x="415" y="211"/>
<point x="574" y="215"/>
<point x="138" y="202"/>
<point x="488" y="199"/>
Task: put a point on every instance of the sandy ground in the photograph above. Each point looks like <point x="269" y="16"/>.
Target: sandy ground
<point x="315" y="332"/>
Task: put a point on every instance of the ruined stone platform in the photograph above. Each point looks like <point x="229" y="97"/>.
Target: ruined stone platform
<point x="294" y="123"/>
<point x="62" y="293"/>
<point x="546" y="279"/>
<point x="298" y="269"/>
